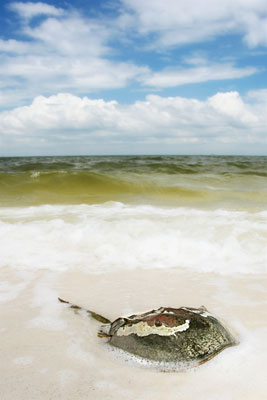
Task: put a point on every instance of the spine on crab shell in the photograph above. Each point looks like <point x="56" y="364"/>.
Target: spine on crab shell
<point x="94" y="315"/>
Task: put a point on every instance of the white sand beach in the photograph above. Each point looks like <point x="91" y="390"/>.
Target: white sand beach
<point x="50" y="352"/>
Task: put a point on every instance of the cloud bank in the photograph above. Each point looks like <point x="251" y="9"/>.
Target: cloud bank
<point x="82" y="123"/>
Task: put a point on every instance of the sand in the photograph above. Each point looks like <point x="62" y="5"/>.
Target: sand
<point x="50" y="352"/>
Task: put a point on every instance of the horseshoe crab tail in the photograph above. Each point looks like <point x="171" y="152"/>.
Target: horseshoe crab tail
<point x="94" y="315"/>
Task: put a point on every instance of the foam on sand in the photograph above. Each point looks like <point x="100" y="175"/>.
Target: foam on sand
<point x="42" y="361"/>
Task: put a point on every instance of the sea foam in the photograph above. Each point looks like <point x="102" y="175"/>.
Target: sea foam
<point x="115" y="236"/>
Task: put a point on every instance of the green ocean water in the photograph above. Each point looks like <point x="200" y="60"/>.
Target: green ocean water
<point x="235" y="182"/>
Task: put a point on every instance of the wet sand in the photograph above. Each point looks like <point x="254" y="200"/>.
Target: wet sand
<point x="50" y="352"/>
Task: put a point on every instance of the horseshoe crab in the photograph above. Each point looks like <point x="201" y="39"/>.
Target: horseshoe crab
<point x="186" y="335"/>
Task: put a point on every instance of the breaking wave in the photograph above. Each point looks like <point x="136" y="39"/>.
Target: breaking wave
<point x="233" y="182"/>
<point x="115" y="236"/>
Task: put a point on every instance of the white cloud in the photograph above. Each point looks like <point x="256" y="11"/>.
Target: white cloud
<point x="30" y="10"/>
<point x="171" y="77"/>
<point x="256" y="32"/>
<point x="14" y="46"/>
<point x="71" y="35"/>
<point x="259" y="95"/>
<point x="231" y="105"/>
<point x="176" y="22"/>
<point x="75" y="122"/>
<point x="61" y="53"/>
<point x="67" y="52"/>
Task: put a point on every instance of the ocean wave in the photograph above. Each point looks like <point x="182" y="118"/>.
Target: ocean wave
<point x="115" y="236"/>
<point x="37" y="187"/>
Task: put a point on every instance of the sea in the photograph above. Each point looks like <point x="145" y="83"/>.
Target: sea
<point x="126" y="234"/>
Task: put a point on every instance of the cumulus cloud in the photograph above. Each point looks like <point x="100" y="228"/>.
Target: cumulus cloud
<point x="65" y="119"/>
<point x="177" y="22"/>
<point x="231" y="106"/>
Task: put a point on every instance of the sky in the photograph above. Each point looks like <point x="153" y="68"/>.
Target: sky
<point x="133" y="77"/>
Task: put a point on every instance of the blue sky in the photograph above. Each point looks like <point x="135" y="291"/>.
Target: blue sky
<point x="133" y="77"/>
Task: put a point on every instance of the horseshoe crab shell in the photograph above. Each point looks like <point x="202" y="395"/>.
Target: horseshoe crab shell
<point x="170" y="335"/>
